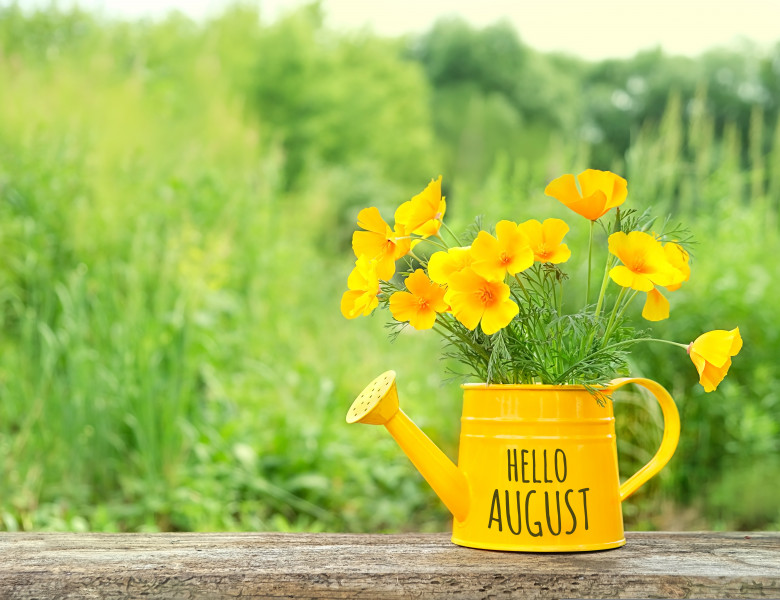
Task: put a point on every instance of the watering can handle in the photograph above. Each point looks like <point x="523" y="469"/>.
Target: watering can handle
<point x="668" y="442"/>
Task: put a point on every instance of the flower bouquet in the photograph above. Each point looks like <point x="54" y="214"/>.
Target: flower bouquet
<point x="537" y="463"/>
<point x="496" y="296"/>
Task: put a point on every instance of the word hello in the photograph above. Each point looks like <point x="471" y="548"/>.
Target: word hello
<point x="563" y="507"/>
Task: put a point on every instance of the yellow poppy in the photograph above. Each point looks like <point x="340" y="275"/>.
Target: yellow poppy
<point x="711" y="353"/>
<point x="420" y="304"/>
<point x="678" y="258"/>
<point x="363" y="288"/>
<point x="443" y="264"/>
<point x="644" y="262"/>
<point x="509" y="252"/>
<point x="601" y="191"/>
<point x="422" y="214"/>
<point x="545" y="240"/>
<point x="379" y="242"/>
<point x="476" y="300"/>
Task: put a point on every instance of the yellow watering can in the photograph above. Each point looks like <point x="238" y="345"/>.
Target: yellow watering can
<point x="537" y="466"/>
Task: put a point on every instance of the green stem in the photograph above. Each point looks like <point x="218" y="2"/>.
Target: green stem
<point x="613" y="325"/>
<point x="614" y="312"/>
<point x="442" y="320"/>
<point x="441" y="244"/>
<point x="604" y="282"/>
<point x="522" y="287"/>
<point x="558" y="364"/>
<point x="452" y="233"/>
<point x="563" y="376"/>
<point x="683" y="346"/>
<point x="590" y="256"/>
<point x="560" y="298"/>
<point x="415" y="257"/>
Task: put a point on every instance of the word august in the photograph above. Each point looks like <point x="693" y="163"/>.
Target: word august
<point x="515" y="509"/>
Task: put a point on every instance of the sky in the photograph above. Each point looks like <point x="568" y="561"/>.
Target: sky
<point x="593" y="30"/>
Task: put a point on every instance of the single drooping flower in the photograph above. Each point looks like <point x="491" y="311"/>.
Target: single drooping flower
<point x="363" y="288"/>
<point x="379" y="242"/>
<point x="644" y="262"/>
<point x="508" y="252"/>
<point x="420" y="304"/>
<point x="656" y="306"/>
<point x="545" y="240"/>
<point x="422" y="214"/>
<point x="475" y="299"/>
<point x="601" y="191"/>
<point x="711" y="353"/>
<point x="678" y="258"/>
<point x="442" y="264"/>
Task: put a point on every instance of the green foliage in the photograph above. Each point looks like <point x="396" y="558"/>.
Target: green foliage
<point x="176" y="200"/>
<point x="337" y="100"/>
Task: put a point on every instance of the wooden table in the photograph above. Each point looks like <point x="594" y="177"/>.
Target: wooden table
<point x="278" y="565"/>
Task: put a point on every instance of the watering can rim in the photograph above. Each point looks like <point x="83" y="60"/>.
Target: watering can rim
<point x="533" y="386"/>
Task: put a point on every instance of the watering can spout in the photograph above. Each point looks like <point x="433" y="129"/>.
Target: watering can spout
<point x="377" y="404"/>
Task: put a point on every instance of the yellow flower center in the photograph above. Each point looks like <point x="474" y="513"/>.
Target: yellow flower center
<point x="504" y="259"/>
<point x="638" y="266"/>
<point x="486" y="296"/>
<point x="422" y="303"/>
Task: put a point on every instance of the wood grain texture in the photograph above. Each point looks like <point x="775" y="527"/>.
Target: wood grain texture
<point x="276" y="565"/>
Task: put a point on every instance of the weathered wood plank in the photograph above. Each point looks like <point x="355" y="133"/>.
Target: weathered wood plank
<point x="273" y="565"/>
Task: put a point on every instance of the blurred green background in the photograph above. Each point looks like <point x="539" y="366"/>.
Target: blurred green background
<point x="176" y="205"/>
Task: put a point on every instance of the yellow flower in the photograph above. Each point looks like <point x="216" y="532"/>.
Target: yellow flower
<point x="363" y="284"/>
<point x="678" y="258"/>
<point x="422" y="214"/>
<point x="476" y="300"/>
<point x="711" y="353"/>
<point x="379" y="242"/>
<point x="442" y="264"/>
<point x="601" y="191"/>
<point x="510" y="253"/>
<point x="644" y="262"/>
<point x="545" y="240"/>
<point x="421" y="303"/>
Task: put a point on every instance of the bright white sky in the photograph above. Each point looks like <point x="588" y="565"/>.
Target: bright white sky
<point x="592" y="29"/>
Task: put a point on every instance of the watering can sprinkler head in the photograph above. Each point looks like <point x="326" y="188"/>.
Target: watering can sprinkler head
<point x="377" y="404"/>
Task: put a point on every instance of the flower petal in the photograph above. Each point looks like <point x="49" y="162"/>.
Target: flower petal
<point x="370" y="220"/>
<point x="423" y="319"/>
<point x="368" y="244"/>
<point x="418" y="283"/>
<point x="564" y="189"/>
<point x="485" y="251"/>
<point x="354" y="303"/>
<point x="467" y="308"/>
<point x="554" y="230"/>
<point x="678" y="258"/>
<point x="498" y="316"/>
<point x="403" y="306"/>
<point x="626" y="278"/>
<point x="442" y="264"/>
<point x="560" y="255"/>
<point x="717" y="346"/>
<point x="712" y="376"/>
<point x="656" y="306"/>
<point x="613" y="187"/>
